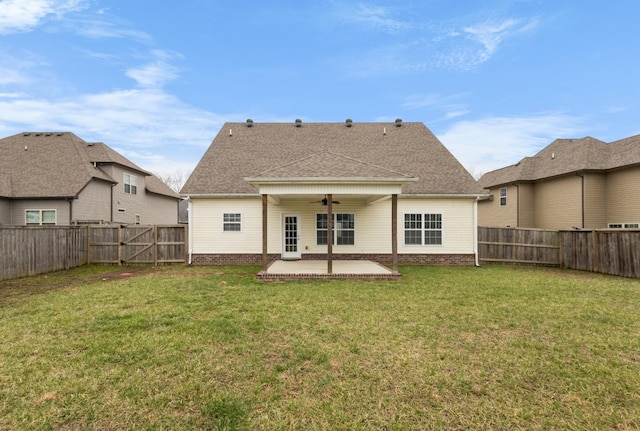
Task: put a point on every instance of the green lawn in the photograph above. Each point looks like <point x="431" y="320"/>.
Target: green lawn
<point x="184" y="348"/>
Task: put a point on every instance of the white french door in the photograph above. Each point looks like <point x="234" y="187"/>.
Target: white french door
<point x="291" y="237"/>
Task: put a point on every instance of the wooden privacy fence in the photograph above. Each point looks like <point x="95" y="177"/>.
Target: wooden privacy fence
<point x="615" y="252"/>
<point x="158" y="244"/>
<point x="517" y="245"/>
<point x="606" y="251"/>
<point x="26" y="250"/>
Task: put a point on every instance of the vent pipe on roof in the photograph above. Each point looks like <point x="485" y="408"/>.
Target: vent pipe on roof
<point x="249" y="122"/>
<point x="384" y="131"/>
<point x="349" y="122"/>
<point x="398" y="122"/>
<point x="230" y="132"/>
<point x="298" y="122"/>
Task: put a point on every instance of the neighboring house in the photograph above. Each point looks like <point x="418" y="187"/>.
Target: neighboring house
<point x="268" y="191"/>
<point x="573" y="183"/>
<point x="59" y="179"/>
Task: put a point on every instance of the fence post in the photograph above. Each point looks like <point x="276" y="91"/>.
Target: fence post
<point x="595" y="251"/>
<point x="120" y="244"/>
<point x="561" y="237"/>
<point x="89" y="233"/>
<point x="155" y="245"/>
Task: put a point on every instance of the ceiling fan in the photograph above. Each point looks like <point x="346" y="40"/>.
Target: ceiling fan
<point x="325" y="201"/>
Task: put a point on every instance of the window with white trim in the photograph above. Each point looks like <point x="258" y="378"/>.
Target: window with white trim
<point x="130" y="184"/>
<point x="624" y="225"/>
<point x="344" y="229"/>
<point x="137" y="219"/>
<point x="40" y="217"/>
<point x="423" y="229"/>
<point x="503" y="196"/>
<point x="232" y="222"/>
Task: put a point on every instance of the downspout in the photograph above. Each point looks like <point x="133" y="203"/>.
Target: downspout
<point x="70" y="200"/>
<point x="582" y="203"/>
<point x="475" y="231"/>
<point x="190" y="228"/>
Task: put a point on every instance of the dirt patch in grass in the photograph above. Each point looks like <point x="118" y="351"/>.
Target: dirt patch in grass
<point x="12" y="291"/>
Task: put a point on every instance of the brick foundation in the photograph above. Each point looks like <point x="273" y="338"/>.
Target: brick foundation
<point x="384" y="259"/>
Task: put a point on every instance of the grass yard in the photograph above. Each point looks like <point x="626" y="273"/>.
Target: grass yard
<point x="184" y="348"/>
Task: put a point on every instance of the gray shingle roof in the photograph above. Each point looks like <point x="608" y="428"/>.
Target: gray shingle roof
<point x="330" y="165"/>
<point x="328" y="150"/>
<point x="54" y="165"/>
<point x="565" y="156"/>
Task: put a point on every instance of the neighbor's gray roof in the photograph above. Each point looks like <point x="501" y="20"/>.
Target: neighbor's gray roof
<point x="565" y="156"/>
<point x="55" y="165"/>
<point x="328" y="150"/>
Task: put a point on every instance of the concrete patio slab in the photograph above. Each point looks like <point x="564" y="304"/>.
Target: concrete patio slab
<point x="317" y="269"/>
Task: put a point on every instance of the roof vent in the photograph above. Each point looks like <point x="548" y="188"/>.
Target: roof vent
<point x="38" y="134"/>
<point x="298" y="122"/>
<point x="249" y="122"/>
<point x="26" y="134"/>
<point x="398" y="122"/>
<point x="349" y="122"/>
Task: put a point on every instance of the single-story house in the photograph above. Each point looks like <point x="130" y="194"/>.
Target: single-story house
<point x="571" y="184"/>
<point x="57" y="178"/>
<point x="388" y="192"/>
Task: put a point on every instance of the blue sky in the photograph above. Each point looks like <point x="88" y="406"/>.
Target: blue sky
<point x="495" y="80"/>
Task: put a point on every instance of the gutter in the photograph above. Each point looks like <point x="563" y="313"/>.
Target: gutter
<point x="475" y="231"/>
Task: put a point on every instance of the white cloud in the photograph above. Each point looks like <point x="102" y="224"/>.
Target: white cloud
<point x="450" y="104"/>
<point x="146" y="121"/>
<point x="492" y="143"/>
<point x="373" y="16"/>
<point x="12" y="76"/>
<point x="491" y="34"/>
<point x="24" y="15"/>
<point x="432" y="46"/>
<point x="105" y="26"/>
<point x="157" y="72"/>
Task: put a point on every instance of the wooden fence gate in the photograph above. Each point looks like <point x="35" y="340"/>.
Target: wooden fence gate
<point x="156" y="244"/>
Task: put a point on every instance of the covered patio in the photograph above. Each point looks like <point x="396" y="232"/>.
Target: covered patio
<point x="282" y="270"/>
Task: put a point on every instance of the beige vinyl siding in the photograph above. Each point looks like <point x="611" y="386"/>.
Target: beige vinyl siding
<point x="595" y="198"/>
<point x="160" y="210"/>
<point x="623" y="196"/>
<point x="20" y="206"/>
<point x="93" y="203"/>
<point x="491" y="213"/>
<point x="457" y="224"/>
<point x="207" y="226"/>
<point x="559" y="203"/>
<point x="526" y="205"/>
<point x="372" y="225"/>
